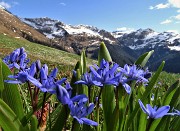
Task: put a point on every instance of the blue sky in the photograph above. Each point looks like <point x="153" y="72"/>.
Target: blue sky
<point x="160" y="15"/>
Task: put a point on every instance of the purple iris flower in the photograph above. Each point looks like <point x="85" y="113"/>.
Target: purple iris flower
<point x="77" y="104"/>
<point x="79" y="110"/>
<point x="17" y="59"/>
<point x="22" y="77"/>
<point x="123" y="81"/>
<point x="64" y="94"/>
<point x="89" y="80"/>
<point x="154" y="112"/>
<point x="176" y="112"/>
<point x="47" y="82"/>
<point x="132" y="72"/>
<point x="105" y="75"/>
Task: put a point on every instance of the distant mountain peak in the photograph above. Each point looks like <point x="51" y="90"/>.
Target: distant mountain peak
<point x="55" y="28"/>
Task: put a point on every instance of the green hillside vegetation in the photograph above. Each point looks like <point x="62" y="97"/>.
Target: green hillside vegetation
<point x="36" y="51"/>
<point x="167" y="79"/>
<point x="63" y="60"/>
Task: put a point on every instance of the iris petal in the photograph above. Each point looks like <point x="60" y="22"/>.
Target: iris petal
<point x="78" y="97"/>
<point x="127" y="88"/>
<point x="143" y="107"/>
<point x="161" y="111"/>
<point x="89" y="122"/>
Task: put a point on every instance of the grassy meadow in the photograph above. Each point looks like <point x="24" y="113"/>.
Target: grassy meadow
<point x="53" y="57"/>
<point x="63" y="60"/>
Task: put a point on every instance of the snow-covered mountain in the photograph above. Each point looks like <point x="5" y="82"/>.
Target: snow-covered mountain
<point x="54" y="28"/>
<point x="148" y="38"/>
<point x="136" y="42"/>
<point x="166" y="46"/>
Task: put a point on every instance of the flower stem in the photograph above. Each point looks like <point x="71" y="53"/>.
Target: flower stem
<point x="89" y="93"/>
<point x="35" y="99"/>
<point x="75" y="125"/>
<point x="42" y="110"/>
<point x="97" y="109"/>
<point x="65" y="126"/>
<point x="30" y="91"/>
<point x="149" y="124"/>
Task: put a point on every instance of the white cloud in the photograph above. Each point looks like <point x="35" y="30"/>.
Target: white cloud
<point x="177" y="17"/>
<point x="178" y="11"/>
<point x="175" y="31"/>
<point x="63" y="4"/>
<point x="151" y="7"/>
<point x="5" y="5"/>
<point x="174" y="3"/>
<point x="160" y="6"/>
<point x="166" y="22"/>
<point x="124" y="29"/>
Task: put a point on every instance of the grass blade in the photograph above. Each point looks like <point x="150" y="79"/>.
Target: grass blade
<point x="9" y="121"/>
<point x="142" y="60"/>
<point x="11" y="94"/>
<point x="103" y="53"/>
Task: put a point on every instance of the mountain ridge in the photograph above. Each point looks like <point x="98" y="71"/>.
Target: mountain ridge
<point x="123" y="46"/>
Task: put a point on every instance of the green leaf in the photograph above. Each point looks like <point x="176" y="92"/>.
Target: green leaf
<point x="9" y="120"/>
<point x="154" y="124"/>
<point x="142" y="121"/>
<point x="1" y="80"/>
<point x="83" y="62"/>
<point x="175" y="126"/>
<point x="103" y="53"/>
<point x="52" y="118"/>
<point x="75" y="125"/>
<point x="176" y="98"/>
<point x="170" y="92"/>
<point x="88" y="128"/>
<point x="75" y="78"/>
<point x="34" y="123"/>
<point x="152" y="82"/>
<point x="83" y="88"/>
<point x="61" y="120"/>
<point x="142" y="60"/>
<point x="115" y="120"/>
<point x="79" y="89"/>
<point x="108" y="103"/>
<point x="11" y="94"/>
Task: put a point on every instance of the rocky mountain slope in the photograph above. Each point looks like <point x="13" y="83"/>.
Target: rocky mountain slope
<point x="75" y="38"/>
<point x="121" y="44"/>
<point x="71" y="38"/>
<point x="12" y="26"/>
<point x="166" y="46"/>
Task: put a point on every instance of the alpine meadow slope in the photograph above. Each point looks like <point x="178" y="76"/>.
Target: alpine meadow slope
<point x="124" y="47"/>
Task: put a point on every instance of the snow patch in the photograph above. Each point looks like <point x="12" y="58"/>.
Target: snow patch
<point x="176" y="48"/>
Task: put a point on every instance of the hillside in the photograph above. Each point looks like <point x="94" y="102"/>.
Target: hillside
<point x="12" y="26"/>
<point x="166" y="46"/>
<point x="36" y="51"/>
